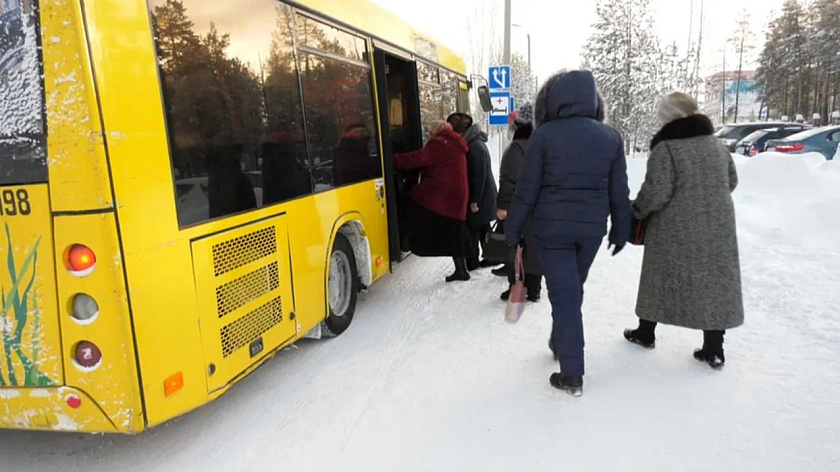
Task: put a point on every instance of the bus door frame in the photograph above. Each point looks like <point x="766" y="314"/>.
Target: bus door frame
<point x="381" y="54"/>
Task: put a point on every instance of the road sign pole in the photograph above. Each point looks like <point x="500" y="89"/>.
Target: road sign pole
<point x="500" y="79"/>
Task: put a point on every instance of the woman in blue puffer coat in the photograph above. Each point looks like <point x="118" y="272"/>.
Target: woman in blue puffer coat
<point x="575" y="179"/>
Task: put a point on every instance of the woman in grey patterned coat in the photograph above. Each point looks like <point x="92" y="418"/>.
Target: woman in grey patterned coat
<point x="691" y="274"/>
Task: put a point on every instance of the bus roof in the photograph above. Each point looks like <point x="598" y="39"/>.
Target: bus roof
<point x="370" y="18"/>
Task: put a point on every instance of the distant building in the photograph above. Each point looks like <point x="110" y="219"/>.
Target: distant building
<point x="720" y="94"/>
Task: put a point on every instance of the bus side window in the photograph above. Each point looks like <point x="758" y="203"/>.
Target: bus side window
<point x="463" y="97"/>
<point x="336" y="79"/>
<point x="431" y="96"/>
<point x="233" y="109"/>
<point x="449" y="86"/>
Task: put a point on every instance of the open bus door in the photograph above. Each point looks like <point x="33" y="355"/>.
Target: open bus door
<point x="399" y="111"/>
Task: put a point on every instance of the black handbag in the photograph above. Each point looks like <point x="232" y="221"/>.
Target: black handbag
<point x="495" y="246"/>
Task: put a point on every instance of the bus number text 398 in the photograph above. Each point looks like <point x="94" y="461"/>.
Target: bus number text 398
<point x="14" y="202"/>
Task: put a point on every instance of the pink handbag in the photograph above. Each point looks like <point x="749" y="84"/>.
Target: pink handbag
<point x="518" y="293"/>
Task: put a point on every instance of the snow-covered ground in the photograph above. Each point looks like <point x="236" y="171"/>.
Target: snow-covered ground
<point x="430" y="378"/>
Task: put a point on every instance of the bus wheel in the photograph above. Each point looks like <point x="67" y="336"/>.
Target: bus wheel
<point x="343" y="287"/>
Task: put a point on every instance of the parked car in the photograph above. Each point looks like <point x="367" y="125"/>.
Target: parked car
<point x="821" y="140"/>
<point x="730" y="135"/>
<point x="756" y="142"/>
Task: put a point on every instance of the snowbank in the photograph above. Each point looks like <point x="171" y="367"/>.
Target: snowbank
<point x="791" y="198"/>
<point x="780" y="197"/>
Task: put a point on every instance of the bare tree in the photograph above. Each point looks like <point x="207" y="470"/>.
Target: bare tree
<point x="695" y="75"/>
<point x="743" y="43"/>
<point x="485" y="46"/>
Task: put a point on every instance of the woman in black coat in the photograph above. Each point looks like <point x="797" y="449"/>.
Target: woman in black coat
<point x="482" y="184"/>
<point x="513" y="162"/>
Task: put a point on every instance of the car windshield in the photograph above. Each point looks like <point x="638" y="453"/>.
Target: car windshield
<point x="810" y="133"/>
<point x="736" y="132"/>
<point x="758" y="135"/>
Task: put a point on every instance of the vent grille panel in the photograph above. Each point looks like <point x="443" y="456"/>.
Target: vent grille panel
<point x="243" y="250"/>
<point x="247" y="329"/>
<point x="237" y="293"/>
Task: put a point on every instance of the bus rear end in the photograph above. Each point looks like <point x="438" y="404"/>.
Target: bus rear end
<point x="67" y="356"/>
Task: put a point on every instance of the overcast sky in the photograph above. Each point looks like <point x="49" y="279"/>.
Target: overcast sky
<point x="560" y="28"/>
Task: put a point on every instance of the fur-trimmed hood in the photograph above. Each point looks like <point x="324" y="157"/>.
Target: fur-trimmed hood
<point x="684" y="128"/>
<point x="565" y="95"/>
<point x="474" y="132"/>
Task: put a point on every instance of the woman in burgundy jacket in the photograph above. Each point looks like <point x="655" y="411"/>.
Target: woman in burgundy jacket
<point x="436" y="223"/>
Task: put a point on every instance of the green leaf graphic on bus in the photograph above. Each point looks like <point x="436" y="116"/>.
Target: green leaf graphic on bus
<point x="14" y="318"/>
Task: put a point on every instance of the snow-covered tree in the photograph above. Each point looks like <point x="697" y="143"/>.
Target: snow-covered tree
<point x="524" y="83"/>
<point x="799" y="67"/>
<point x="623" y="53"/>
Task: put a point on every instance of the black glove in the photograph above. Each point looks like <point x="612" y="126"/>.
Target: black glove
<point x="618" y="248"/>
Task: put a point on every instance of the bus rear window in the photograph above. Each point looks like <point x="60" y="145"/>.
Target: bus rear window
<point x="22" y="137"/>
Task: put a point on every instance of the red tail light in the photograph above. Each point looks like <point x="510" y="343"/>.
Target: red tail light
<point x="790" y="147"/>
<point x="753" y="151"/>
<point x="73" y="401"/>
<point x="87" y="355"/>
<point x="80" y="260"/>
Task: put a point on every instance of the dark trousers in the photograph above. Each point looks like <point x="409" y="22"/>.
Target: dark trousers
<point x="460" y="265"/>
<point x="478" y="234"/>
<point x="566" y="266"/>
<point x="712" y="339"/>
<point x="533" y="283"/>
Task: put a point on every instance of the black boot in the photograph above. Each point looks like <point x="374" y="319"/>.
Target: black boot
<point x="505" y="295"/>
<point x="461" y="273"/>
<point x="569" y="384"/>
<point x="712" y="351"/>
<point x="644" y="335"/>
<point x="534" y="285"/>
<point x="500" y="272"/>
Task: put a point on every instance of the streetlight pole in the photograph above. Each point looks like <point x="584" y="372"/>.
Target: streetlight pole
<point x="529" y="51"/>
<point x="529" y="43"/>
<point x="530" y="67"/>
<point x="507" y="31"/>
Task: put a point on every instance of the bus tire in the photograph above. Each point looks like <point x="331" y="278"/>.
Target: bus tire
<point x="342" y="287"/>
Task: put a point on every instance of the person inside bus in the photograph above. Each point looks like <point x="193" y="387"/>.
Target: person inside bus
<point x="438" y="205"/>
<point x="229" y="189"/>
<point x="353" y="159"/>
<point x="482" y="187"/>
<point x="574" y="180"/>
<point x="284" y="175"/>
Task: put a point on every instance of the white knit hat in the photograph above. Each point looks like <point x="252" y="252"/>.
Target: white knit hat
<point x="674" y="106"/>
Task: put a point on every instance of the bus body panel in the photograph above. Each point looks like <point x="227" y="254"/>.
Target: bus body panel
<point x="31" y="343"/>
<point x="79" y="178"/>
<point x="74" y="208"/>
<point x="158" y="254"/>
<point x="114" y="385"/>
<point x="244" y="296"/>
<point x="46" y="409"/>
<point x="112" y="188"/>
<point x="365" y="16"/>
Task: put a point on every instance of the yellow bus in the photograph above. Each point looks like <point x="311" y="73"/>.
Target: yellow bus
<point x="188" y="186"/>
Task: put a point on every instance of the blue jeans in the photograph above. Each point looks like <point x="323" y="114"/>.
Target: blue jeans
<point x="566" y="264"/>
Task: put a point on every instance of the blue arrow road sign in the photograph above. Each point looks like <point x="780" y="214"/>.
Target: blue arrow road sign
<point x="500" y="77"/>
<point x="501" y="108"/>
